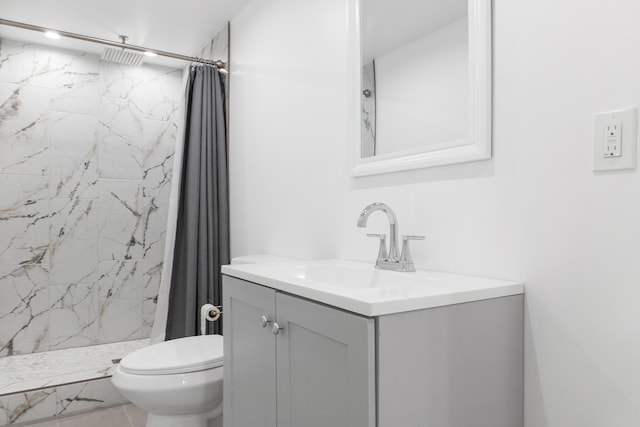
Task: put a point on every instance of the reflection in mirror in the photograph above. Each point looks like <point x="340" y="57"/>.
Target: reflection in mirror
<point x="368" y="134"/>
<point x="425" y="83"/>
<point x="414" y="74"/>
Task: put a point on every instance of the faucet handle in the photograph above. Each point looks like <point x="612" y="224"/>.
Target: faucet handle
<point x="405" y="257"/>
<point x="382" y="250"/>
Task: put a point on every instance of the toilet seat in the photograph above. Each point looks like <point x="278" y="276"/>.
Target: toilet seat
<point x="184" y="355"/>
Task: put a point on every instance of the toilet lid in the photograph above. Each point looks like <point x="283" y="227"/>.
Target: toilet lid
<point x="190" y="354"/>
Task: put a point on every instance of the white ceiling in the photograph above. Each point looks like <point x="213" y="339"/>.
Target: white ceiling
<point x="178" y="26"/>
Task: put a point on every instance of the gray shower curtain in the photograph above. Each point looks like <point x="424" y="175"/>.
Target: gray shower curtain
<point x="202" y="232"/>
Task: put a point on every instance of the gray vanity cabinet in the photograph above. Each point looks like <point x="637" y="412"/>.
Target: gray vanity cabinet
<point x="249" y="355"/>
<point x="317" y="370"/>
<point x="457" y="365"/>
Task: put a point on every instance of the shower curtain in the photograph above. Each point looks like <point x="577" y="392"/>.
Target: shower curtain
<point x="202" y="228"/>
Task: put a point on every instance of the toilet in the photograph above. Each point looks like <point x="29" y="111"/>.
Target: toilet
<point x="178" y="382"/>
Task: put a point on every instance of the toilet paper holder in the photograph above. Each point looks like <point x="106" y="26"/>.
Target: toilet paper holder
<point x="209" y="313"/>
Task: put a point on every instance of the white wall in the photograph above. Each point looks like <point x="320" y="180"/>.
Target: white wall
<point x="535" y="212"/>
<point x="288" y="121"/>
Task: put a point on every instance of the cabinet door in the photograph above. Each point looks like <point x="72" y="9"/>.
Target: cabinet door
<point x="325" y="366"/>
<point x="249" y="355"/>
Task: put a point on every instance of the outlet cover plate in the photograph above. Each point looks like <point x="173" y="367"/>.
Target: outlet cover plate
<point x="626" y="124"/>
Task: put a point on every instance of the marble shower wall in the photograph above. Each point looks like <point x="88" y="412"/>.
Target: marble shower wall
<point x="86" y="157"/>
<point x="218" y="47"/>
<point x="58" y="401"/>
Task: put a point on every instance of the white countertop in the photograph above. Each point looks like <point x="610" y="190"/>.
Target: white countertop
<point x="360" y="288"/>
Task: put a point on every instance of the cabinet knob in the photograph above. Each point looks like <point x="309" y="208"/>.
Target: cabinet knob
<point x="264" y="321"/>
<point x="276" y="328"/>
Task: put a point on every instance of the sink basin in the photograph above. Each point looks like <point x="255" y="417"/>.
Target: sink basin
<point x="363" y="289"/>
<point x="347" y="275"/>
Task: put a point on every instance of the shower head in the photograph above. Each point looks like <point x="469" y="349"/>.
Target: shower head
<point x="122" y="56"/>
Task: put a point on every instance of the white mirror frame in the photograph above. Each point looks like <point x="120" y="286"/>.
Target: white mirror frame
<point x="478" y="145"/>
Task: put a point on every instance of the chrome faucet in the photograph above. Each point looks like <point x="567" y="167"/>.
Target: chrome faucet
<point x="392" y="255"/>
<point x="389" y="260"/>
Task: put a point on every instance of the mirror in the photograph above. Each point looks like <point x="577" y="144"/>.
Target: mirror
<point x="425" y="84"/>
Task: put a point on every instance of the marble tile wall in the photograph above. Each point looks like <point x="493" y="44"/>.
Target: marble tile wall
<point x="218" y="47"/>
<point x="58" y="401"/>
<point x="86" y="157"/>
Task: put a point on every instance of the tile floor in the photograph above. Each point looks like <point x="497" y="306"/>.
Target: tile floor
<point x="117" y="416"/>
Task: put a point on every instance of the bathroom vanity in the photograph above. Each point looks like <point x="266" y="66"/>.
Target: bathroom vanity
<point x="337" y="343"/>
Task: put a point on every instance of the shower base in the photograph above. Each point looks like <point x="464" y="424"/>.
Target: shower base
<point x="53" y="383"/>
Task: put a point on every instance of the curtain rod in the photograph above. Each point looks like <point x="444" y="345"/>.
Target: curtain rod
<point x="218" y="63"/>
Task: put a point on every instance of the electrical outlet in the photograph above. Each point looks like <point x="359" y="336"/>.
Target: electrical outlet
<point x="615" y="140"/>
<point x="611" y="146"/>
